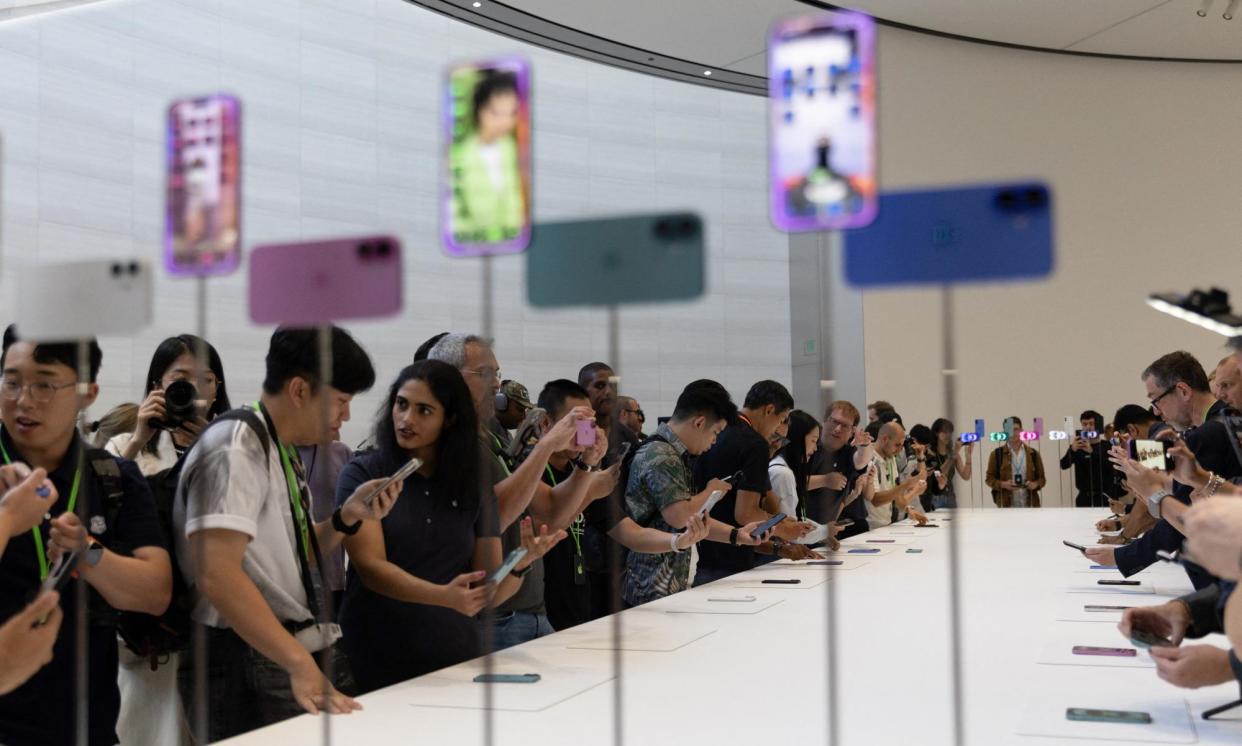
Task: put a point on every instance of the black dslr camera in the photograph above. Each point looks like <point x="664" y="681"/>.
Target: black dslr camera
<point x="180" y="406"/>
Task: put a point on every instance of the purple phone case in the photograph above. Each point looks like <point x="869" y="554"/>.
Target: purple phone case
<point x="174" y="193"/>
<point x="586" y="433"/>
<point x="1107" y="652"/>
<point x="323" y="282"/>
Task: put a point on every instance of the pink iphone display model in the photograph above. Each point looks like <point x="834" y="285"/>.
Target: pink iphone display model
<point x="487" y="165"/>
<point x="1108" y="652"/>
<point x="821" y="122"/>
<point x="202" y="225"/>
<point x="586" y="433"/>
<point x="323" y="282"/>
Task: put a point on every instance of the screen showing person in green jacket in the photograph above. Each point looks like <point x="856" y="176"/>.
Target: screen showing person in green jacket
<point x="488" y="200"/>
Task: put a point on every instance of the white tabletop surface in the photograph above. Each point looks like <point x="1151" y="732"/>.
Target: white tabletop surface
<point x="761" y="678"/>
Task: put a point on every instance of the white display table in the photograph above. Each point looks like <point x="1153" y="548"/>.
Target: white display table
<point x="760" y="678"/>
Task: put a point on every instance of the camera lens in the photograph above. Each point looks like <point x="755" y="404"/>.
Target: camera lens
<point x="663" y="229"/>
<point x="383" y="248"/>
<point x="685" y="228"/>
<point x="117" y="270"/>
<point x="364" y="250"/>
<point x="133" y="268"/>
<point x="180" y="400"/>
<point x="1036" y="197"/>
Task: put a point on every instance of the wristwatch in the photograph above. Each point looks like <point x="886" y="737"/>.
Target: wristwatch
<point x="519" y="573"/>
<point x="733" y="536"/>
<point x="339" y="524"/>
<point x="94" y="552"/>
<point x="582" y="465"/>
<point x="1153" y="502"/>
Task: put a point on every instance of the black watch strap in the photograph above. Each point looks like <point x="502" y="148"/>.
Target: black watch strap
<point x="519" y="573"/>
<point x="339" y="524"/>
<point x="733" y="536"/>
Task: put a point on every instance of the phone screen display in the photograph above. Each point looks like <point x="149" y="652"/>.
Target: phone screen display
<point x="202" y="227"/>
<point x="487" y="184"/>
<point x="821" y="107"/>
<point x="1108" y="652"/>
<point x="1150" y="453"/>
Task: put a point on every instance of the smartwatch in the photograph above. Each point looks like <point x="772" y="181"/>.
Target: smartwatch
<point x="1153" y="502"/>
<point x="340" y="525"/>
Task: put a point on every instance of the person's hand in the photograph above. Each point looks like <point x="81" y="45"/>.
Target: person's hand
<point x="191" y="429"/>
<point x="68" y="535"/>
<point x="797" y="552"/>
<point x="1111" y="540"/>
<point x="1169" y="620"/>
<point x="719" y="485"/>
<point x="356" y="508"/>
<point x="836" y="481"/>
<point x="593" y="454"/>
<point x="917" y="516"/>
<point x="1108" y="524"/>
<point x="917" y="487"/>
<point x="1080" y="444"/>
<point x="1007" y="485"/>
<point x="1214" y="536"/>
<point x="537" y="545"/>
<point x="1186" y="468"/>
<point x="941" y="480"/>
<point x="862" y="438"/>
<point x="24" y="647"/>
<point x="563" y="436"/>
<point x="606" y="480"/>
<point x="22" y="508"/>
<point x="695" y="531"/>
<point x="919" y="449"/>
<point x="1101" y="556"/>
<point x="151" y="408"/>
<point x="1143" y="481"/>
<point x="460" y="597"/>
<point x="746" y="534"/>
<point x="1193" y="666"/>
<point x="1117" y="506"/>
<point x="833" y="544"/>
<point x="793" y="530"/>
<point x="314" y="694"/>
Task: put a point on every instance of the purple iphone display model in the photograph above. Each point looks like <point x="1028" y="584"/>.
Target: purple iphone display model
<point x="586" y="433"/>
<point x="202" y="225"/>
<point x="322" y="282"/>
<point x="1107" y="652"/>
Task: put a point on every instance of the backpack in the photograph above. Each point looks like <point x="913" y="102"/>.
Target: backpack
<point x="595" y="545"/>
<point x="157" y="637"/>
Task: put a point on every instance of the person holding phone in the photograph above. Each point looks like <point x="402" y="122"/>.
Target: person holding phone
<point x="893" y="494"/>
<point x="423" y="566"/>
<point x="659" y="497"/>
<point x="1088" y="456"/>
<point x="845" y="455"/>
<point x="120" y="546"/>
<point x="247" y="543"/>
<point x="947" y="457"/>
<point x="1015" y="471"/>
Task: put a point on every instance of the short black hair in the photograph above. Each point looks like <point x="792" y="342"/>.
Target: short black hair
<point x="1016" y="420"/>
<point x="922" y="435"/>
<point x="1094" y="416"/>
<point x="554" y="394"/>
<point x="63" y="353"/>
<point x="884" y="416"/>
<point x="294" y="353"/>
<point x="425" y="348"/>
<point x="705" y="398"/>
<point x="769" y="392"/>
<point x="588" y="371"/>
<point x="491" y="83"/>
<point x="1178" y="367"/>
<point x="1133" y="414"/>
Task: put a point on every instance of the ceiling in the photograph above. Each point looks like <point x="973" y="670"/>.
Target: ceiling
<point x="729" y="35"/>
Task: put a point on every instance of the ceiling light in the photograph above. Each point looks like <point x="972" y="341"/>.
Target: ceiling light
<point x="478" y="5"/>
<point x="709" y="72"/>
<point x="1209" y="310"/>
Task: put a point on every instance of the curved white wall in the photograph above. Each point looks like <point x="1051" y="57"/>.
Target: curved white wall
<point x="1145" y="160"/>
<point x="341" y="125"/>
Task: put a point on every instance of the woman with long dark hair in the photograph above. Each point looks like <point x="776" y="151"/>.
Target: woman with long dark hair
<point x="416" y="579"/>
<point x="163" y="432"/>
<point x="946" y="457"/>
<point x="790" y="468"/>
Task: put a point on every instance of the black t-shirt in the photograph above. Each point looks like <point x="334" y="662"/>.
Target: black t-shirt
<point x="738" y="448"/>
<point x="566" y="589"/>
<point x="529" y="597"/>
<point x="41" y="711"/>
<point x="822" y="503"/>
<point x="432" y="536"/>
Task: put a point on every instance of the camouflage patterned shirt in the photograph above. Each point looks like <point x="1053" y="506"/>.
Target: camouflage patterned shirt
<point x="659" y="477"/>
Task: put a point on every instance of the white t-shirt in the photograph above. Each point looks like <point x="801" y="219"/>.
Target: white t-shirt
<point x="886" y="472"/>
<point x="226" y="484"/>
<point x="785" y="485"/>
<point x="150" y="464"/>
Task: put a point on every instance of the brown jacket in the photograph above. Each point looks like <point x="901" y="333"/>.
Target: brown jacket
<point x="1003" y="472"/>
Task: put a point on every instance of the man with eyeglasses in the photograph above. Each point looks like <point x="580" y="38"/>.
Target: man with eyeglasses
<point x="846" y="453"/>
<point x="631" y="415"/>
<point x="1178" y="390"/>
<point x="119" y="548"/>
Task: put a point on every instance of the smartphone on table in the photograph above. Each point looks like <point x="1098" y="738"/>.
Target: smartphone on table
<point x="202" y="231"/>
<point x="313" y="283"/>
<point x="1107" y="652"/>
<point x="1086" y="715"/>
<point x="486" y="186"/>
<point x="821" y="122"/>
<point x="1112" y="581"/>
<point x="507" y="678"/>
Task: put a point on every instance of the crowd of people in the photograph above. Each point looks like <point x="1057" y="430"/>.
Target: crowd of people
<point x="313" y="576"/>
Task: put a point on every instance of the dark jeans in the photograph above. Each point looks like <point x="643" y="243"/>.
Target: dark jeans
<point x="521" y="627"/>
<point x="705" y="575"/>
<point x="245" y="690"/>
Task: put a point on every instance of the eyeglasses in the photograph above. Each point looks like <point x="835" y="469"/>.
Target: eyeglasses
<point x="839" y="425"/>
<point x="486" y="374"/>
<point x="40" y="391"/>
<point x="1169" y="390"/>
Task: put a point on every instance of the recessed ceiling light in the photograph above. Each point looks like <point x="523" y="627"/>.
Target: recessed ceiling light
<point x="478" y="5"/>
<point x="707" y="72"/>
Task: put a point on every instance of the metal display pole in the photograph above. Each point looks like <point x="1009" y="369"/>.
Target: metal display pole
<point x="81" y="597"/>
<point x="614" y="574"/>
<point x="955" y="593"/>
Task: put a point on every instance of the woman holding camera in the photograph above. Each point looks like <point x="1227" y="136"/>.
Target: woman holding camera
<point x="172" y="414"/>
<point x="174" y="411"/>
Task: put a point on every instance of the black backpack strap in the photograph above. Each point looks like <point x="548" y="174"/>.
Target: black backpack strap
<point x="255" y="423"/>
<point x="107" y="473"/>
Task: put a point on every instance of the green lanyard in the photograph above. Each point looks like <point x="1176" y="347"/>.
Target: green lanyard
<point x="578" y="526"/>
<point x="38" y="535"/>
<point x="295" y="493"/>
<point x="500" y="448"/>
